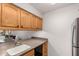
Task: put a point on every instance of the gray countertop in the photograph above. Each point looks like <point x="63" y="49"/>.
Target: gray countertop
<point x="34" y="42"/>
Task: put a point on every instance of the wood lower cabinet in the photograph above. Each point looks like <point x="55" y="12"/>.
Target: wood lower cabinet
<point x="41" y="50"/>
<point x="29" y="53"/>
<point x="45" y="49"/>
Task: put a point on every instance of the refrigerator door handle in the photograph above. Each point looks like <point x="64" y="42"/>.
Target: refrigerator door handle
<point x="74" y="42"/>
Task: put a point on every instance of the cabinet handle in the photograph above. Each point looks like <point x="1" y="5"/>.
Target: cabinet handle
<point x="21" y="26"/>
<point x="17" y="25"/>
<point x="37" y="28"/>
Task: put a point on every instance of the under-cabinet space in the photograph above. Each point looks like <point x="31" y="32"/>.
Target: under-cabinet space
<point x="38" y="51"/>
<point x="42" y="50"/>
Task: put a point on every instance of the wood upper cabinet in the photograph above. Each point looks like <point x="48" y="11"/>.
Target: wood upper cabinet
<point x="41" y="24"/>
<point x="34" y="22"/>
<point x="37" y="23"/>
<point x="0" y="14"/>
<point x="26" y="20"/>
<point x="10" y="15"/>
<point x="15" y="17"/>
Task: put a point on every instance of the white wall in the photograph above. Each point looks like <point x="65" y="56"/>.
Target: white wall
<point x="58" y="25"/>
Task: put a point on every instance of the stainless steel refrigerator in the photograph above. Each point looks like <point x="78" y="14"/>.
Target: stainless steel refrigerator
<point x="75" y="38"/>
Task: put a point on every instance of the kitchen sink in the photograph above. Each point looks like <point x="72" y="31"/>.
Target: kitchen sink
<point x="18" y="49"/>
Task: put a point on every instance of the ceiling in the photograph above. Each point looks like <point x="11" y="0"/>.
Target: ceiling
<point x="46" y="7"/>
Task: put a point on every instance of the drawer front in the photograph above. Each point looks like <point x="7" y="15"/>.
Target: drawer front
<point x="29" y="53"/>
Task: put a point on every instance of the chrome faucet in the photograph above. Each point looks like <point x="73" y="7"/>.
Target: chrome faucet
<point x="16" y="40"/>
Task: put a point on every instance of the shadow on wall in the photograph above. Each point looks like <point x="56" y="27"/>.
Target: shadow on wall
<point x="51" y="50"/>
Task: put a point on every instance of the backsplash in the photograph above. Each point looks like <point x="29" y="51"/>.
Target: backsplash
<point x="41" y="34"/>
<point x="23" y="34"/>
<point x="27" y="34"/>
<point x="19" y="34"/>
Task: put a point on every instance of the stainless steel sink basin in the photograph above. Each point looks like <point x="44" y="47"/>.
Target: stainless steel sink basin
<point x="18" y="49"/>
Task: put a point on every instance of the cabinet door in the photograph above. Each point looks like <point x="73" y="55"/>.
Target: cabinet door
<point x="37" y="23"/>
<point x="29" y="53"/>
<point x="45" y="49"/>
<point x="34" y="26"/>
<point x="0" y="15"/>
<point x="10" y="15"/>
<point x="41" y="23"/>
<point x="26" y="21"/>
